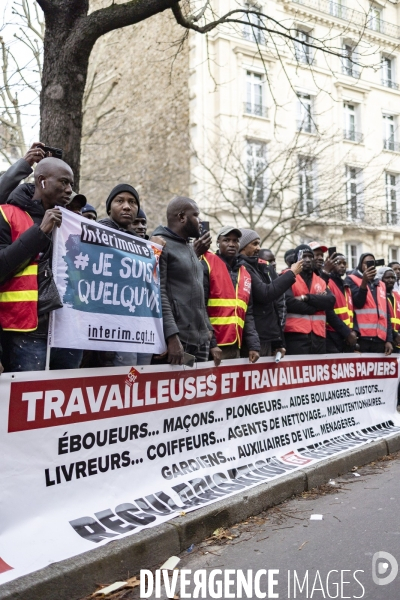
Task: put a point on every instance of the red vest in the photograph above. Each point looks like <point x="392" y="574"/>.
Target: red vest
<point x="372" y="319"/>
<point x="394" y="310"/>
<point x="19" y="295"/>
<point x="296" y="323"/>
<point x="343" y="305"/>
<point x="226" y="306"/>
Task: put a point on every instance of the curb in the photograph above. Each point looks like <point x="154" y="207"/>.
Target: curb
<point x="77" y="576"/>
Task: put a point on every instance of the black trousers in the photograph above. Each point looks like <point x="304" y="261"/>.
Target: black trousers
<point x="371" y="345"/>
<point x="305" y="343"/>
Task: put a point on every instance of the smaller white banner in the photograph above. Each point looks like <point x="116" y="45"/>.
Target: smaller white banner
<point x="109" y="283"/>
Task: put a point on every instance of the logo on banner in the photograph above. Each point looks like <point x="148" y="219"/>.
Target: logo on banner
<point x="132" y="376"/>
<point x="294" y="459"/>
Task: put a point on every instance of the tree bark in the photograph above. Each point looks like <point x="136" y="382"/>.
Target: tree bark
<point x="70" y="35"/>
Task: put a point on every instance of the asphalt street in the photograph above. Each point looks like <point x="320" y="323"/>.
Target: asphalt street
<point x="327" y="558"/>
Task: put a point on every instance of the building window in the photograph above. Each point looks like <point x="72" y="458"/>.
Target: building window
<point x="307" y="195"/>
<point x="391" y="187"/>
<point x="350" y="131"/>
<point x="305" y="120"/>
<point x="394" y="254"/>
<point x="387" y="72"/>
<point x="375" y="19"/>
<point x="349" y="60"/>
<point x="352" y="251"/>
<point x="354" y="194"/>
<point x="338" y="9"/>
<point x="251" y="30"/>
<point x="256" y="171"/>
<point x="254" y="104"/>
<point x="389" y="130"/>
<point x="302" y="51"/>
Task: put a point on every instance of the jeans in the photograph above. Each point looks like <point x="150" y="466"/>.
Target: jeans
<point x="123" y="359"/>
<point x="27" y="353"/>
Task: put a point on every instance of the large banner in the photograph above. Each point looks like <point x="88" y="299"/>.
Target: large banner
<point x="89" y="456"/>
<point x="109" y="284"/>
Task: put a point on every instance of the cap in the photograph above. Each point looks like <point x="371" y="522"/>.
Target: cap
<point x="89" y="208"/>
<point x="227" y="230"/>
<point x="79" y="198"/>
<point x="318" y="246"/>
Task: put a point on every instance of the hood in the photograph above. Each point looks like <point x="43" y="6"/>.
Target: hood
<point x="22" y="197"/>
<point x="161" y="230"/>
<point x="360" y="260"/>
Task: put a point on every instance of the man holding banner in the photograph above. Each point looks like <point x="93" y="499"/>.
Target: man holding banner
<point x="25" y="242"/>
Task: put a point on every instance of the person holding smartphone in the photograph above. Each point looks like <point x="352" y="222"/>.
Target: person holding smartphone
<point x="340" y="336"/>
<point x="371" y="310"/>
<point x="388" y="277"/>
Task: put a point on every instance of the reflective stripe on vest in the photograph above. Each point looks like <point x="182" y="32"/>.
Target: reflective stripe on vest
<point x="296" y="323"/>
<point x="343" y="305"/>
<point x="394" y="309"/>
<point x="226" y="305"/>
<point x="19" y="295"/>
<point x="372" y="319"/>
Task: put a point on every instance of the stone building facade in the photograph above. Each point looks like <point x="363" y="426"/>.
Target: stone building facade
<point x="281" y="137"/>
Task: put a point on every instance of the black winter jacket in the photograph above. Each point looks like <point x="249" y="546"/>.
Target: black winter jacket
<point x="182" y="294"/>
<point x="267" y="291"/>
<point x="360" y="297"/>
<point x="250" y="335"/>
<point x="12" y="177"/>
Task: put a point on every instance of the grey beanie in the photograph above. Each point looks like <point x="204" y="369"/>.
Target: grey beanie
<point x="381" y="271"/>
<point x="248" y="236"/>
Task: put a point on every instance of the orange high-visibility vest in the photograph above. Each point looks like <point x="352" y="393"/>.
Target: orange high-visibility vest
<point x="343" y="305"/>
<point x="394" y="310"/>
<point x="226" y="305"/>
<point x="316" y="323"/>
<point x="19" y="295"/>
<point x="372" y="319"/>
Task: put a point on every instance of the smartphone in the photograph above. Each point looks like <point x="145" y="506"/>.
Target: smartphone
<point x="204" y="226"/>
<point x="370" y="263"/>
<point x="300" y="255"/>
<point x="380" y="262"/>
<point x="55" y="152"/>
<point x="188" y="359"/>
<point x="331" y="250"/>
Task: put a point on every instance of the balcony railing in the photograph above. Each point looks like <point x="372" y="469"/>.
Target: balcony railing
<point x="390" y="84"/>
<point x="351" y="71"/>
<point x="391" y="145"/>
<point x="353" y="17"/>
<point x="353" y="136"/>
<point x="255" y="109"/>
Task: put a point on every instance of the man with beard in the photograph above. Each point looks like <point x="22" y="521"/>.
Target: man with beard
<point x="340" y="336"/>
<point x="388" y="277"/>
<point x="307" y="302"/>
<point x="371" y="309"/>
<point x="227" y="290"/>
<point x="318" y="250"/>
<point x="187" y="328"/>
<point x="267" y="290"/>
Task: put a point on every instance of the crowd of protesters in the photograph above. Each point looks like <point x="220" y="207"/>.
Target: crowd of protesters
<point x="216" y="306"/>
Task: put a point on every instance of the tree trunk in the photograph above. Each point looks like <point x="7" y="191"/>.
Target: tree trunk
<point x="70" y="35"/>
<point x="63" y="83"/>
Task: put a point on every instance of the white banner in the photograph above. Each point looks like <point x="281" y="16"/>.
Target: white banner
<point x="109" y="284"/>
<point x="89" y="456"/>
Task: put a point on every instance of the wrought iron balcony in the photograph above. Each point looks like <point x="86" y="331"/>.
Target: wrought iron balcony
<point x="353" y="17"/>
<point x="255" y="109"/>
<point x="353" y="136"/>
<point x="306" y="126"/>
<point x="391" y="145"/>
<point x="351" y="70"/>
<point x="390" y="84"/>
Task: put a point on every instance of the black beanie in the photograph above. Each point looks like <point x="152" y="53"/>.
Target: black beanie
<point x="303" y="247"/>
<point x="121" y="187"/>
